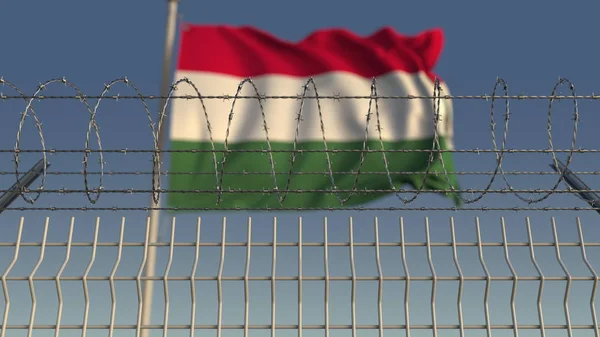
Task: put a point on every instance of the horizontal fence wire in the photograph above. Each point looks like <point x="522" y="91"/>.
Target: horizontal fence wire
<point x="504" y="278"/>
<point x="531" y="198"/>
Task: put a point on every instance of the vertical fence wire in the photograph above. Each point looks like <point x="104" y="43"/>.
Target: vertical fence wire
<point x="166" y="278"/>
<point x="113" y="295"/>
<point x="139" y="281"/>
<point x="461" y="320"/>
<point x="192" y="281"/>
<point x="488" y="281"/>
<point x="326" y="267"/>
<point x="5" y="275"/>
<point x="300" y="308"/>
<point x="434" y="280"/>
<point x="61" y="303"/>
<point x="568" y="286"/>
<point x="247" y="279"/>
<point x="407" y="280"/>
<point x="32" y="287"/>
<point x="542" y="279"/>
<point x="220" y="279"/>
<point x="273" y="269"/>
<point x="86" y="293"/>
<point x="513" y="294"/>
<point x="353" y="271"/>
<point x="380" y="277"/>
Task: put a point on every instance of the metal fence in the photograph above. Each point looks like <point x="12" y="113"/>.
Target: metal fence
<point x="384" y="283"/>
<point x="231" y="274"/>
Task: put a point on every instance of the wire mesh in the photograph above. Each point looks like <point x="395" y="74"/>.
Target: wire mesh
<point x="398" y="279"/>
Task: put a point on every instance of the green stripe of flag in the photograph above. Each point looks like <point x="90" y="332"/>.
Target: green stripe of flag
<point x="252" y="162"/>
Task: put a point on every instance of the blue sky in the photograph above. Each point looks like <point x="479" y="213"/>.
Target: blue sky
<point x="528" y="44"/>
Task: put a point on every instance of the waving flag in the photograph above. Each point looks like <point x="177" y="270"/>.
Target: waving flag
<point x="260" y="133"/>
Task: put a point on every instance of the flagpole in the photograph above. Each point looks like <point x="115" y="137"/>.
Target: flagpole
<point x="155" y="213"/>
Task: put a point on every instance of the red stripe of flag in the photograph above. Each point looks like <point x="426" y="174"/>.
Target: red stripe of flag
<point x="250" y="52"/>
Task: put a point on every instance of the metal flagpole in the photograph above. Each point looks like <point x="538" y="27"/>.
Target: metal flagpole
<point x="154" y="213"/>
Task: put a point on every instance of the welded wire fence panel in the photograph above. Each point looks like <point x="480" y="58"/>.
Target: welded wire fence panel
<point x="354" y="278"/>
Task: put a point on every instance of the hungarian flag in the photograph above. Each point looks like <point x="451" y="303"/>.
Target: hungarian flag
<point x="282" y="151"/>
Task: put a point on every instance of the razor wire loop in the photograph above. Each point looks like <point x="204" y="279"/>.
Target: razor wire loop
<point x="431" y="159"/>
<point x="226" y="143"/>
<point x="22" y="188"/>
<point x="383" y="153"/>
<point x="93" y="123"/>
<point x="174" y="87"/>
<point x="499" y="155"/>
<point x="93" y="194"/>
<point x="299" y="120"/>
<point x="334" y="186"/>
<point x="574" y="136"/>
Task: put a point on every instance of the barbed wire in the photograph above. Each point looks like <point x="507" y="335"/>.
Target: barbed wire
<point x="298" y="209"/>
<point x="296" y="191"/>
<point x="301" y="151"/>
<point x="299" y="97"/>
<point x="499" y="145"/>
<point x="246" y="173"/>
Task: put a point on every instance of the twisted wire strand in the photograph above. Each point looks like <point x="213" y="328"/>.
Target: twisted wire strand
<point x="296" y="209"/>
<point x="435" y="152"/>
<point x="474" y="151"/>
<point x="141" y="173"/>
<point x="298" y="97"/>
<point x="299" y="191"/>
